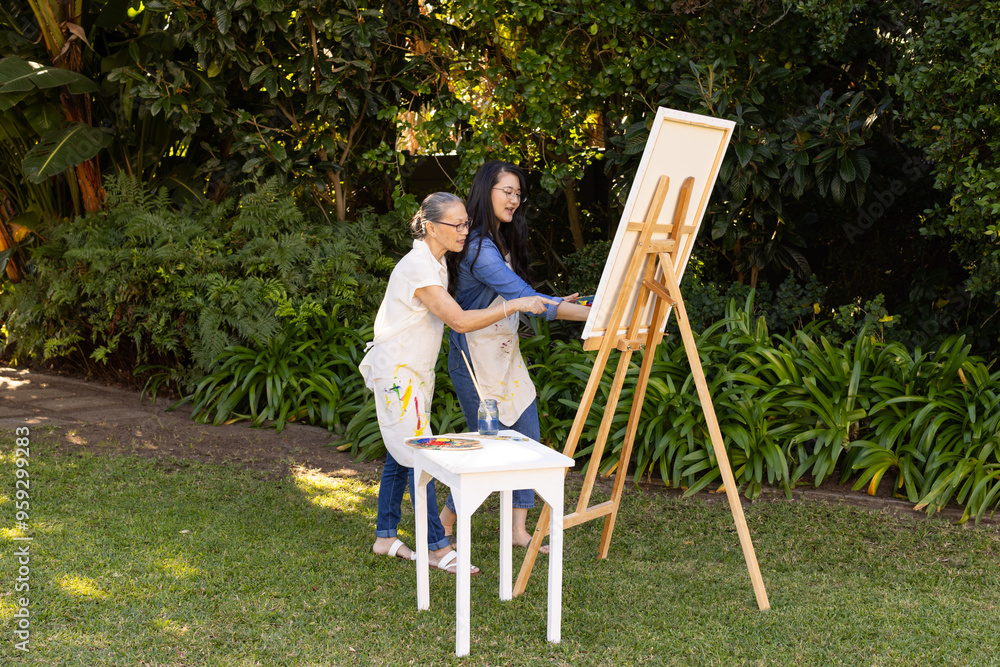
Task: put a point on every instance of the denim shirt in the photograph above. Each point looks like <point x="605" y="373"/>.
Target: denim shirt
<point x="479" y="285"/>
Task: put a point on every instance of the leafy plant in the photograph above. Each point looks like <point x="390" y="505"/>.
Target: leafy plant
<point x="145" y="282"/>
<point x="953" y="58"/>
<point x="754" y="436"/>
<point x="308" y="373"/>
<point x="830" y="399"/>
<point x="899" y="433"/>
<point x="966" y="458"/>
<point x="584" y="267"/>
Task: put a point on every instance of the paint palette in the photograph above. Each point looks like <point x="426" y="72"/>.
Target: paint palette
<point x="585" y="300"/>
<point x="444" y="443"/>
<point x="509" y="438"/>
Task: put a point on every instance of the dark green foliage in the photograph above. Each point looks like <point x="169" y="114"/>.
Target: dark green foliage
<point x="793" y="409"/>
<point x="584" y="267"/>
<point x="307" y="373"/>
<point x="324" y="91"/>
<point x="793" y="305"/>
<point x="816" y="178"/>
<point x="948" y="87"/>
<point x="143" y="281"/>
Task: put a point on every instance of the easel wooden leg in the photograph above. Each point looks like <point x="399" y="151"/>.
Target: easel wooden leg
<point x="735" y="505"/>
<point x="649" y="356"/>
<point x="542" y="527"/>
<point x="541" y="530"/>
<point x="602" y="434"/>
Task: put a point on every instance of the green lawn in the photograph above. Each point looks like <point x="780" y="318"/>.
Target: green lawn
<point x="170" y="562"/>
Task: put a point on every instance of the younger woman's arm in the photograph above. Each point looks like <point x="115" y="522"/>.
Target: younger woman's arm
<point x="490" y="269"/>
<point x="568" y="309"/>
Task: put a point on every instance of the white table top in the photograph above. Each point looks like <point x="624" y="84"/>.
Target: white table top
<point x="496" y="455"/>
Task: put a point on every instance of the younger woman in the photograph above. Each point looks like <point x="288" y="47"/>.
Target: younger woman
<point x="490" y="269"/>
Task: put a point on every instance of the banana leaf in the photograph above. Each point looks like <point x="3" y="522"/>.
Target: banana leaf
<point x="61" y="149"/>
<point x="18" y="77"/>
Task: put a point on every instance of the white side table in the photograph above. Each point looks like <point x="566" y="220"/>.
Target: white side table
<point x="472" y="475"/>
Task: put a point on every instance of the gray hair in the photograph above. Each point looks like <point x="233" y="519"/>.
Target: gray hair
<point x="432" y="209"/>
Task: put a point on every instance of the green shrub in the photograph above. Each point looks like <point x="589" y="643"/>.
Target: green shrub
<point x="307" y="373"/>
<point x="145" y="282"/>
<point x="793" y="305"/>
<point x="584" y="267"/>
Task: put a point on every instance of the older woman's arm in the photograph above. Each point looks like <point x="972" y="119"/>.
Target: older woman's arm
<point x="439" y="302"/>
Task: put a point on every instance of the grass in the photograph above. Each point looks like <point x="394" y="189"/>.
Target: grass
<point x="170" y="562"/>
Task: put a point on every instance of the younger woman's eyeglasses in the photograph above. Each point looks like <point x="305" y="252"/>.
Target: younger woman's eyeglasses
<point x="512" y="195"/>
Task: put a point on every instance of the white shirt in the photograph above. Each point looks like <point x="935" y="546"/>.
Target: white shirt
<point x="399" y="364"/>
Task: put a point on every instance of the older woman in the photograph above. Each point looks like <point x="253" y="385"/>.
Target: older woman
<point x="492" y="268"/>
<point x="399" y="364"/>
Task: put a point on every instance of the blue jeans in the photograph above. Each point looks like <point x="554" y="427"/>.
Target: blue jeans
<point x="526" y="424"/>
<point x="390" y="503"/>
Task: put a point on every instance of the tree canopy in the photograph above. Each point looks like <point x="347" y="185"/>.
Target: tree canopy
<point x="865" y="151"/>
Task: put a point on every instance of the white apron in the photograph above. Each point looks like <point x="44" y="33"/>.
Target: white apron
<point x="499" y="367"/>
<point x="399" y="363"/>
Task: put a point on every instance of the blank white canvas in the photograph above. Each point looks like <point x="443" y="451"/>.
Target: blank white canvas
<point x="680" y="145"/>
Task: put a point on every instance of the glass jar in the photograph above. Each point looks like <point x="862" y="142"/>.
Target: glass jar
<point x="489" y="417"/>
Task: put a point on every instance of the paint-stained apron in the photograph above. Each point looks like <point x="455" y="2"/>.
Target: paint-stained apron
<point x="401" y="372"/>
<point x="499" y="367"/>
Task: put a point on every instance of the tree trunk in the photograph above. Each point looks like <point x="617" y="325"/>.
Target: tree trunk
<point x="341" y="200"/>
<point x="573" y="213"/>
<point x="53" y="17"/>
<point x="88" y="177"/>
<point x="333" y="178"/>
<point x="7" y="240"/>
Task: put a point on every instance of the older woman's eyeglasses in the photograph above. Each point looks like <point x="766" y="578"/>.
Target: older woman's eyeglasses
<point x="512" y="195"/>
<point x="460" y="227"/>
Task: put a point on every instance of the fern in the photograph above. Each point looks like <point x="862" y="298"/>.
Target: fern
<point x="144" y="283"/>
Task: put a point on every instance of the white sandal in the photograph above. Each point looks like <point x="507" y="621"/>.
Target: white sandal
<point x="394" y="551"/>
<point x="449" y="560"/>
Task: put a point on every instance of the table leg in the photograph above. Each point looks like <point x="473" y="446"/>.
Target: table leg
<point x="462" y="574"/>
<point x="421" y="479"/>
<point x="553" y="495"/>
<point x="506" y="540"/>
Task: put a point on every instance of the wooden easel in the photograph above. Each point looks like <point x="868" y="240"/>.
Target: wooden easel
<point x="649" y="256"/>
